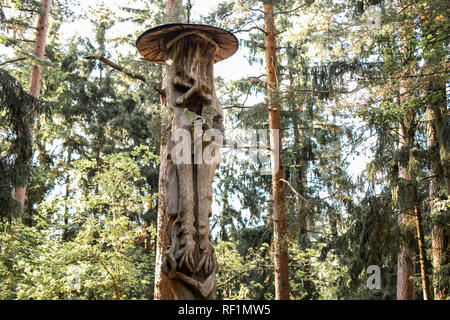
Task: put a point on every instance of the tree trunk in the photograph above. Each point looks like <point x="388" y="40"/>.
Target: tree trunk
<point x="441" y="118"/>
<point x="304" y="231"/>
<point x="36" y="75"/>
<point x="405" y="257"/>
<point x="301" y="166"/>
<point x="440" y="233"/>
<point x="163" y="288"/>
<point x="422" y="254"/>
<point x="439" y="240"/>
<point x="279" y="209"/>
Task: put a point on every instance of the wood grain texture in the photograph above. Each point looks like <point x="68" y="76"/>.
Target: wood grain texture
<point x="190" y="262"/>
<point x="150" y="44"/>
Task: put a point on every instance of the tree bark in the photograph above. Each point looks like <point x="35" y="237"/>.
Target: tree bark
<point x="422" y="254"/>
<point x="406" y="255"/>
<point x="195" y="114"/>
<point x="163" y="288"/>
<point x="36" y="75"/>
<point x="439" y="238"/>
<point x="279" y="206"/>
<point x="441" y="118"/>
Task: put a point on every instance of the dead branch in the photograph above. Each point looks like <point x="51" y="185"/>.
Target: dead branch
<point x="12" y="61"/>
<point x="250" y="29"/>
<point x="117" y="67"/>
<point x="292" y="188"/>
<point x="236" y="107"/>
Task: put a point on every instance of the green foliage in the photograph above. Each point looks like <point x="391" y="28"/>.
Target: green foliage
<point x="237" y="272"/>
<point x="15" y="142"/>
<point x="100" y="252"/>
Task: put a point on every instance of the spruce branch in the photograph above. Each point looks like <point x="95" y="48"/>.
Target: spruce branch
<point x="20" y="9"/>
<point x="306" y="4"/>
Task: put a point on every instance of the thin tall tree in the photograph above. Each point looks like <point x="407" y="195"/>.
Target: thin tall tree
<point x="36" y="75"/>
<point x="439" y="236"/>
<point x="278" y="194"/>
<point x="406" y="254"/>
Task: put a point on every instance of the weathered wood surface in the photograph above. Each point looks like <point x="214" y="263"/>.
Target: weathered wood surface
<point x="151" y="43"/>
<point x="196" y="122"/>
<point x="190" y="260"/>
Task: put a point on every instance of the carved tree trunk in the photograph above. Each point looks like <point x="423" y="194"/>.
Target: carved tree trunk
<point x="36" y="75"/>
<point x="279" y="209"/>
<point x="163" y="289"/>
<point x="196" y="119"/>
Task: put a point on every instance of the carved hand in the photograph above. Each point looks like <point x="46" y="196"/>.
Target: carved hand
<point x="208" y="261"/>
<point x="186" y="252"/>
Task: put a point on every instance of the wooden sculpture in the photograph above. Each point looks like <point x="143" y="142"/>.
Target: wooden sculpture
<point x="189" y="52"/>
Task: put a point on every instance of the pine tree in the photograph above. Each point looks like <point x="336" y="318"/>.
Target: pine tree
<point x="278" y="196"/>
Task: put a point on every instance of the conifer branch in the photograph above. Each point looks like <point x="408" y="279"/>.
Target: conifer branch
<point x="407" y="6"/>
<point x="21" y="9"/>
<point x="307" y="3"/>
<point x="243" y="272"/>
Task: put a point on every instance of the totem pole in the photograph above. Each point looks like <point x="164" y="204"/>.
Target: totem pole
<point x="195" y="135"/>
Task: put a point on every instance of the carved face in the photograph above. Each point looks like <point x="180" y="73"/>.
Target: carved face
<point x="192" y="72"/>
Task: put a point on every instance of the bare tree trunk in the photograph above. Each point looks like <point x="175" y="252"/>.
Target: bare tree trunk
<point x="279" y="206"/>
<point x="405" y="257"/>
<point x="439" y="240"/>
<point x="440" y="234"/>
<point x="439" y="247"/>
<point x="36" y="75"/>
<point x="422" y="254"/>
<point x="441" y="118"/>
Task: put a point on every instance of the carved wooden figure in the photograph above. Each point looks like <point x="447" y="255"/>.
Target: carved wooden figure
<point x="189" y="52"/>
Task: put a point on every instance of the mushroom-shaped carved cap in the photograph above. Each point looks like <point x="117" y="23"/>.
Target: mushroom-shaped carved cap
<point x="149" y="43"/>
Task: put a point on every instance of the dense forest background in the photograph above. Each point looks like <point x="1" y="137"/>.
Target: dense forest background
<point x="363" y="98"/>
